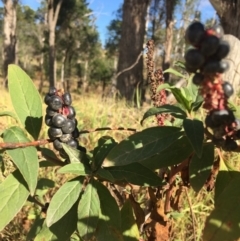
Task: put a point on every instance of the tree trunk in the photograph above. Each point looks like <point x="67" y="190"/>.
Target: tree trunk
<point x="229" y="14"/>
<point x="52" y="21"/>
<point x="131" y="46"/>
<point x="10" y="40"/>
<point x="170" y="5"/>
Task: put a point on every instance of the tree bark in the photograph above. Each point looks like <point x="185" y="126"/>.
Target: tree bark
<point x="229" y="14"/>
<point x="53" y="13"/>
<point x="131" y="46"/>
<point x="170" y="5"/>
<point x="10" y="40"/>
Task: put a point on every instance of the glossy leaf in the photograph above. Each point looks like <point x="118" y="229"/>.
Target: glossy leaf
<point x="129" y="226"/>
<point x="194" y="130"/>
<point x="224" y="221"/>
<point x="63" y="200"/>
<point x="76" y="168"/>
<point x="109" y="224"/>
<point x="88" y="211"/>
<point x="25" y="99"/>
<point x="142" y="145"/>
<point x="135" y="173"/>
<point x="182" y="150"/>
<point x="26" y="159"/>
<point x="103" y="149"/>
<point x="14" y="193"/>
<point x="173" y="110"/>
<point x="175" y="72"/>
<point x="61" y="230"/>
<point x="200" y="168"/>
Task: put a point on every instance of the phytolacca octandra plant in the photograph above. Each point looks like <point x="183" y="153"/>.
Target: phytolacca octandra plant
<point x="205" y="61"/>
<point x="60" y="117"/>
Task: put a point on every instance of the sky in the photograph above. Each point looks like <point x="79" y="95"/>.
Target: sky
<point x="104" y="11"/>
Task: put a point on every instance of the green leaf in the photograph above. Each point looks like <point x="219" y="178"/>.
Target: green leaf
<point x="105" y="174"/>
<point x="103" y="149"/>
<point x="180" y="95"/>
<point x="173" y="110"/>
<point x="182" y="150"/>
<point x="14" y="194"/>
<point x="76" y="168"/>
<point x="224" y="221"/>
<point x="8" y="113"/>
<point x="129" y="226"/>
<point x="175" y="72"/>
<point x="61" y="230"/>
<point x="194" y="130"/>
<point x="74" y="154"/>
<point x="135" y="173"/>
<point x="142" y="145"/>
<point x="197" y="103"/>
<point x="45" y="183"/>
<point x="25" y="99"/>
<point x="35" y="229"/>
<point x="88" y="211"/>
<point x="63" y="200"/>
<point x="200" y="168"/>
<point x="109" y="224"/>
<point x="26" y="159"/>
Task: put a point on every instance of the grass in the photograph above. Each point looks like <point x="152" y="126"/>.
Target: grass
<point x="94" y="112"/>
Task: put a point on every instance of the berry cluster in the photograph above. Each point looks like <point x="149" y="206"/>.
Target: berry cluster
<point x="204" y="59"/>
<point x="60" y="117"/>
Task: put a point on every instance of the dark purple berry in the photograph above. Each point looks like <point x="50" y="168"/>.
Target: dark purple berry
<point x="198" y="78"/>
<point x="194" y="58"/>
<point x="50" y="112"/>
<point x="227" y="88"/>
<point x="57" y="145"/>
<point x="209" y="122"/>
<point x="195" y="33"/>
<point x="52" y="91"/>
<point x="223" y="50"/>
<point x="47" y="99"/>
<point x="214" y="66"/>
<point x="210" y="45"/>
<point x="59" y="120"/>
<point x="71" y="112"/>
<point x="65" y="137"/>
<point x="72" y="143"/>
<point x="75" y="133"/>
<point x="230" y="145"/>
<point x="48" y="120"/>
<point x="222" y="116"/>
<point x="69" y="127"/>
<point x="67" y="99"/>
<point x="54" y="132"/>
<point x="55" y="103"/>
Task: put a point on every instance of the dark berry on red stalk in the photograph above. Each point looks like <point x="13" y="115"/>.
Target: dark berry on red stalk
<point x="194" y="58"/>
<point x="69" y="127"/>
<point x="71" y="112"/>
<point x="214" y="66"/>
<point x="209" y="122"/>
<point x="227" y="88"/>
<point x="55" y="103"/>
<point x="223" y="50"/>
<point x="57" y="145"/>
<point x="222" y="117"/>
<point x="210" y="45"/>
<point x="218" y="31"/>
<point x="48" y="120"/>
<point x="52" y="91"/>
<point x="47" y="98"/>
<point x="67" y="99"/>
<point x="59" y="120"/>
<point x="65" y="137"/>
<point x="50" y="112"/>
<point x="195" y="33"/>
<point x="72" y="143"/>
<point x="54" y="132"/>
<point x="230" y="145"/>
<point x="198" y="78"/>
